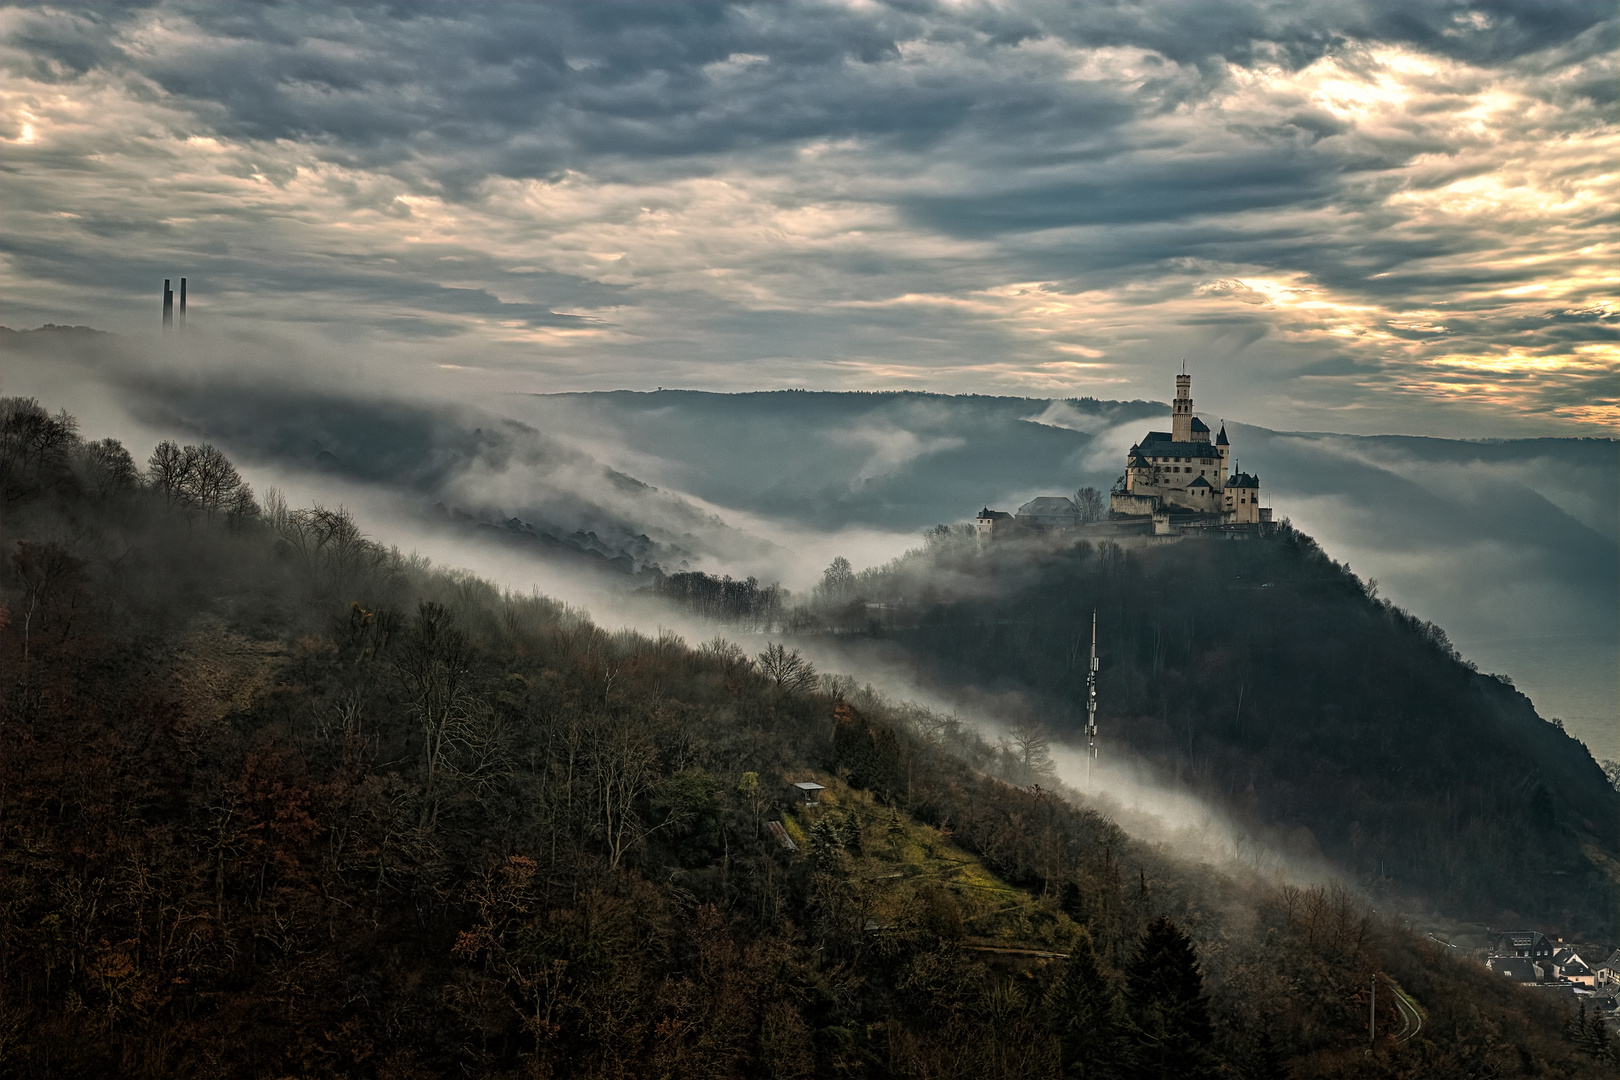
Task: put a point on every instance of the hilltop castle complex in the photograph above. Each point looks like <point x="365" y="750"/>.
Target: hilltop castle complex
<point x="1182" y="472"/>
<point x="1177" y="481"/>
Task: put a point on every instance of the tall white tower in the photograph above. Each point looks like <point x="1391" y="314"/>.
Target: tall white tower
<point x="1181" y="415"/>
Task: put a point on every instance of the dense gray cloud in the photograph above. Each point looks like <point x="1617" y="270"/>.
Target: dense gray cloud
<point x="1352" y="211"/>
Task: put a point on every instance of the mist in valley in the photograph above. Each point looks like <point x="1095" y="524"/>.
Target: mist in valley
<point x="1511" y="545"/>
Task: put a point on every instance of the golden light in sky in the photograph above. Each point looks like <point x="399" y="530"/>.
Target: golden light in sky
<point x="1391" y="220"/>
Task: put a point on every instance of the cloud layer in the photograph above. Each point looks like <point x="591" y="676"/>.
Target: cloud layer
<point x="1367" y="210"/>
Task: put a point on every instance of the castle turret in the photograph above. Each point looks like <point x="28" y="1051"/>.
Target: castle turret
<point x="1225" y="449"/>
<point x="1181" y="416"/>
<point x="1241" y="499"/>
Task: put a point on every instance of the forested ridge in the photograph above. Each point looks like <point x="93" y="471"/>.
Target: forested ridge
<point x="278" y="800"/>
<point x="1273" y="680"/>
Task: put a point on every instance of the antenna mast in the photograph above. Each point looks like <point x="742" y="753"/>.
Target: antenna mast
<point x="1091" y="701"/>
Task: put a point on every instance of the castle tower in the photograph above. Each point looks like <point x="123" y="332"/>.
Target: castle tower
<point x="1225" y="448"/>
<point x="182" y="303"/>
<point x="168" y="305"/>
<point x="1181" y="416"/>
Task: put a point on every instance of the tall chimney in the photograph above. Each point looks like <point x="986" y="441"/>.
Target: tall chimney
<point x="168" y="305"/>
<point x="182" y="303"/>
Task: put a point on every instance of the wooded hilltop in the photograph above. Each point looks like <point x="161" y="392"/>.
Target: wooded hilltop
<point x="278" y="800"/>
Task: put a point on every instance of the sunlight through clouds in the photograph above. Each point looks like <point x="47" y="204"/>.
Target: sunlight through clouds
<point x="1017" y="198"/>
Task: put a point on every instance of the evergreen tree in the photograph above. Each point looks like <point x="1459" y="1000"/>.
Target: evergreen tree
<point x="1597" y="1039"/>
<point x="849" y="832"/>
<point x="1266" y="1063"/>
<point x="824" y="838"/>
<point x="1590" y="1034"/>
<point x="894" y="831"/>
<point x="1083" y="1009"/>
<point x="1170" y="1031"/>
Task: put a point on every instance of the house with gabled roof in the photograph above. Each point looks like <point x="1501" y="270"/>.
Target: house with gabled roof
<point x="1518" y="968"/>
<point x="1608" y="972"/>
<point x="1530" y="944"/>
<point x="1567" y="964"/>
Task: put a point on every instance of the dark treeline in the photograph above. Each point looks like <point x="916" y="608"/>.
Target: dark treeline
<point x="745" y="604"/>
<point x="278" y="801"/>
<point x="1270" y="678"/>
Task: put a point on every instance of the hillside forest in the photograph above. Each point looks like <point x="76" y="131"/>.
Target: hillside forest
<point x="1274" y="682"/>
<point x="280" y="800"/>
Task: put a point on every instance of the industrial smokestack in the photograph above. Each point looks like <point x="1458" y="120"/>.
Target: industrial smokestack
<point x="182" y="303"/>
<point x="168" y="305"/>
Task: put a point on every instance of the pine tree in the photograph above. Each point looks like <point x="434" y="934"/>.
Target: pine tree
<point x="1597" y="1039"/>
<point x="849" y="832"/>
<point x="1083" y="1009"/>
<point x="894" y="831"/>
<point x="824" y="839"/>
<point x="1266" y="1063"/>
<point x="1170" y="1031"/>
<point x="1590" y="1034"/>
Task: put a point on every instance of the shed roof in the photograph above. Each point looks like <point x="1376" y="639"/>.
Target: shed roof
<point x="1048" y="506"/>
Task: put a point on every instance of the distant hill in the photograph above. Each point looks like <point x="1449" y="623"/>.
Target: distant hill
<point x="1509" y="544"/>
<point x="50" y="330"/>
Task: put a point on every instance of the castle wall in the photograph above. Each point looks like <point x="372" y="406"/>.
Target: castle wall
<point x="1133" y="503"/>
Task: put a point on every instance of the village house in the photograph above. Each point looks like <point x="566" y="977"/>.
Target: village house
<point x="1518" y="968"/>
<point x="1567" y="964"/>
<point x="1608" y="972"/>
<point x="1531" y="944"/>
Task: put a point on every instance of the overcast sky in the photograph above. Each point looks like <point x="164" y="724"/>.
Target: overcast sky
<point x="1350" y="216"/>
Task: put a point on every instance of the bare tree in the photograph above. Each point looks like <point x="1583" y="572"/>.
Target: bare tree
<point x="166" y="469"/>
<point x="837" y="581"/>
<point x="788" y="670"/>
<point x="32" y="442"/>
<point x="107" y="468"/>
<point x="47" y="573"/>
<point x="435" y="666"/>
<point x="623" y="770"/>
<point x="1030" y="749"/>
<point x="1090" y="502"/>
<point x="209" y="480"/>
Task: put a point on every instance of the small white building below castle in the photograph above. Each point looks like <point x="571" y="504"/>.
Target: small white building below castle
<point x="1181" y="472"/>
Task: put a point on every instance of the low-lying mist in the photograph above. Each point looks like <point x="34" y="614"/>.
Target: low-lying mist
<point x="1510" y="545"/>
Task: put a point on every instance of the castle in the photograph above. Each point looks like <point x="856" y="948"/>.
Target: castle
<point x="1182" y="472"/>
<point x="1176" y="482"/>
